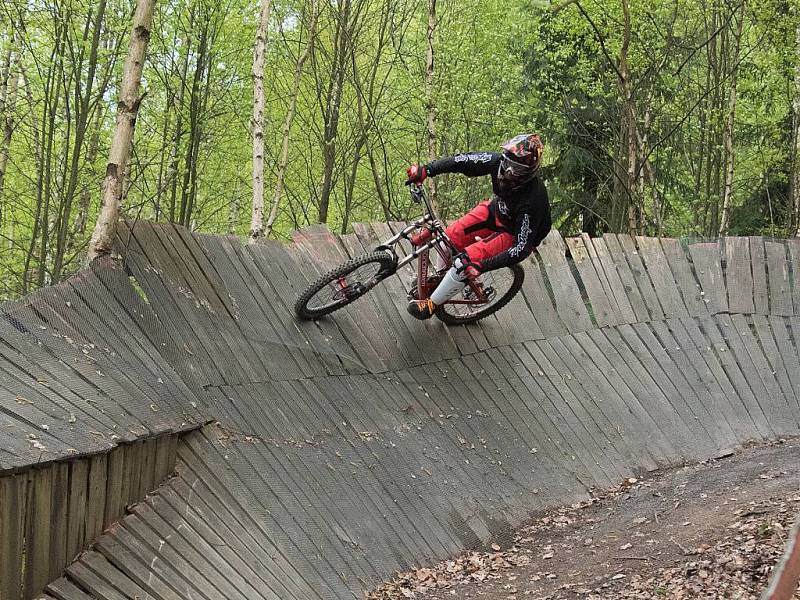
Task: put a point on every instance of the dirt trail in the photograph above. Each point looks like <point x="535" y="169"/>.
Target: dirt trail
<point x="712" y="530"/>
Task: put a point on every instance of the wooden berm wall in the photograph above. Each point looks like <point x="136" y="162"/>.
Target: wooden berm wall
<point x="312" y="460"/>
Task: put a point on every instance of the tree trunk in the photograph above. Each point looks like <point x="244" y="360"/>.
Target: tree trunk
<point x="127" y="109"/>
<point x="257" y="220"/>
<point x="195" y="105"/>
<point x="729" y="131"/>
<point x="41" y="222"/>
<point x="7" y="120"/>
<point x="794" y="186"/>
<point x="344" y="27"/>
<point x="430" y="103"/>
<point x="82" y="115"/>
<point x="283" y="162"/>
<point x="172" y="175"/>
<point x="91" y="156"/>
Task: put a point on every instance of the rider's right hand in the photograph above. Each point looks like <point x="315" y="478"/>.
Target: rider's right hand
<point x="416" y="174"/>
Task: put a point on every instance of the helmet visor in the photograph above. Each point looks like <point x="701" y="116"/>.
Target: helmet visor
<point x="511" y="169"/>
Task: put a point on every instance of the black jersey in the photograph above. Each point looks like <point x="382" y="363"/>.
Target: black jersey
<point x="523" y="211"/>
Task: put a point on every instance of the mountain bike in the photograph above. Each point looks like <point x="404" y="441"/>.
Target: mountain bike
<point x="348" y="282"/>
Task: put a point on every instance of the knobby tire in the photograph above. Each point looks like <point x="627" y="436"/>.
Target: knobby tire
<point x="516" y="286"/>
<point x="301" y="308"/>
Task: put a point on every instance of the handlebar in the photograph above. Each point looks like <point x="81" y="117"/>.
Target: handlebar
<point x="418" y="195"/>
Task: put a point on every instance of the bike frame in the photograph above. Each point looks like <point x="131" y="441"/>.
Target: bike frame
<point x="432" y="222"/>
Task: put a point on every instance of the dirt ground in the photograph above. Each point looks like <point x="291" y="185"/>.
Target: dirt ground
<point x="713" y="530"/>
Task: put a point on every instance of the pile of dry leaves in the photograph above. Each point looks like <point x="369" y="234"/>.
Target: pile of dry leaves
<point x="735" y="563"/>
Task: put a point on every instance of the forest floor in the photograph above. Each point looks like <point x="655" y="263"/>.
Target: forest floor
<point x="712" y="530"/>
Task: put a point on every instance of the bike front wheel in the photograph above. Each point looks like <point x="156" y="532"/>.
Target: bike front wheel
<point x="343" y="285"/>
<point x="498" y="286"/>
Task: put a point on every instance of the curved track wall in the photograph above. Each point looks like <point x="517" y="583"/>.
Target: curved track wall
<point x="343" y="450"/>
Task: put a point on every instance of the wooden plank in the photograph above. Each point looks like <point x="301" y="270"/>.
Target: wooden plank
<point x="413" y="514"/>
<point x="601" y="307"/>
<point x="251" y="523"/>
<point x="59" y="521"/>
<point x="543" y="363"/>
<point x="699" y="375"/>
<point x="568" y="300"/>
<point x="321" y="338"/>
<point x="739" y="275"/>
<point x="768" y="330"/>
<point x="740" y="370"/>
<point x="765" y="386"/>
<point x="689" y="383"/>
<point x="96" y="585"/>
<point x="785" y="578"/>
<point x="423" y="520"/>
<point x="669" y="378"/>
<point x="96" y="496"/>
<point x="759" y="266"/>
<point x="608" y="289"/>
<point x="591" y="370"/>
<point x="135" y="458"/>
<point x="522" y="430"/>
<point x="635" y="363"/>
<point x="641" y="276"/>
<point x="736" y="412"/>
<point x="76" y="507"/>
<point x="192" y="525"/>
<point x="626" y="276"/>
<point x="259" y="328"/>
<point x="605" y="260"/>
<point x="552" y="407"/>
<point x="707" y="266"/>
<point x="794" y="259"/>
<point x="241" y="539"/>
<point x="615" y="360"/>
<point x="63" y="589"/>
<point x="541" y="305"/>
<point x="37" y="530"/>
<point x="780" y="285"/>
<point x="147" y="477"/>
<point x="163" y="468"/>
<point x="788" y="351"/>
<point x="114" y="502"/>
<point x="13" y="508"/>
<point x="194" y="560"/>
<point x="599" y="418"/>
<point x="684" y="278"/>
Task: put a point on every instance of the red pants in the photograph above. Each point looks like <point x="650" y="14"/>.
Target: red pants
<point x="475" y="234"/>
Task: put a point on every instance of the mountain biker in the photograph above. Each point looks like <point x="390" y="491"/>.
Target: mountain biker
<point x="498" y="232"/>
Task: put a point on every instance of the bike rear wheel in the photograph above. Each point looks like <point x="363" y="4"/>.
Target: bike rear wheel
<point x="501" y="285"/>
<point x="343" y="285"/>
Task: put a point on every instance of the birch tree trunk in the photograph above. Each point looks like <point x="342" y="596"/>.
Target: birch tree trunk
<point x="127" y="109"/>
<point x="283" y="162"/>
<point x="430" y="104"/>
<point x="729" y="130"/>
<point x="257" y="220"/>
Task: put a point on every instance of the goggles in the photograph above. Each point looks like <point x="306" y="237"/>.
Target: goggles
<point x="513" y="169"/>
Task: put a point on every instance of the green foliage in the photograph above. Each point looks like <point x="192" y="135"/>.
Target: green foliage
<point x="500" y="68"/>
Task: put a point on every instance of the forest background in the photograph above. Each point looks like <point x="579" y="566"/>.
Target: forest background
<point x="673" y="117"/>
